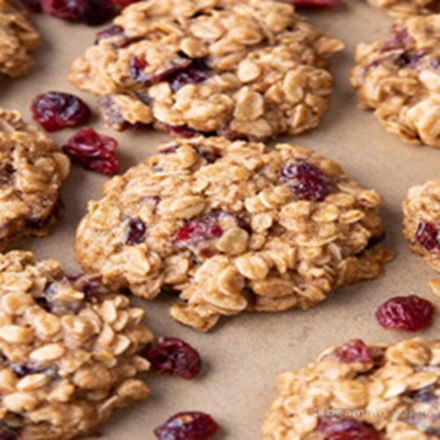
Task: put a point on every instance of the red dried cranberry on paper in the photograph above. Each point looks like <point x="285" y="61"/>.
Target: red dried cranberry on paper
<point x="409" y="313"/>
<point x="94" y="151"/>
<point x="174" y="356"/>
<point x="57" y="110"/>
<point x="190" y="425"/>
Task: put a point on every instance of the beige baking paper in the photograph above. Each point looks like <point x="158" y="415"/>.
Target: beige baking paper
<point x="243" y="354"/>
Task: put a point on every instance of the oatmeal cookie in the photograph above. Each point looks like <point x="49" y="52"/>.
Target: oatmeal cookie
<point x="421" y="221"/>
<point x="233" y="226"/>
<point x="243" y="69"/>
<point x="69" y="350"/>
<point x="399" y="78"/>
<point x="18" y="38"/>
<point x="32" y="169"/>
<point x="406" y="8"/>
<point x="356" y="391"/>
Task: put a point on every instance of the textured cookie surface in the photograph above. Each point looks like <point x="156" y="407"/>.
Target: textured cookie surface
<point x="399" y="78"/>
<point x="233" y="226"/>
<point x="357" y="391"/>
<point x="69" y="350"/>
<point x="421" y="221"/>
<point x="242" y="69"/>
<point x="402" y="8"/>
<point x="18" y="38"/>
<point x="32" y="169"/>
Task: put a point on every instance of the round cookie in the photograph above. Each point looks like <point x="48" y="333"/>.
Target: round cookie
<point x="406" y="8"/>
<point x="421" y="221"/>
<point x="233" y="226"/>
<point x="69" y="350"/>
<point x="399" y="78"/>
<point x="18" y="38"/>
<point x="32" y="169"/>
<point x="242" y="69"/>
<point x="356" y="391"/>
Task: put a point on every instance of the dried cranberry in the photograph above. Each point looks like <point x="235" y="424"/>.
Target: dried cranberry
<point x="196" y="73"/>
<point x="316" y="3"/>
<point x="174" y="356"/>
<point x="92" y="12"/>
<point x="201" y="229"/>
<point x="99" y="12"/>
<point x="408" y="59"/>
<point x="35" y="5"/>
<point x="191" y="425"/>
<point x="22" y="370"/>
<point x="428" y="236"/>
<point x="436" y="63"/>
<point x="209" y="156"/>
<point x="176" y="130"/>
<point x="398" y="39"/>
<point x="123" y="3"/>
<point x="305" y="180"/>
<point x="70" y="10"/>
<point x="110" y="32"/>
<point x="409" y="313"/>
<point x="169" y="150"/>
<point x="138" y="63"/>
<point x="94" y="151"/>
<point x="136" y="231"/>
<point x="57" y="110"/>
<point x="334" y="427"/>
<point x="424" y="395"/>
<point x="351" y="352"/>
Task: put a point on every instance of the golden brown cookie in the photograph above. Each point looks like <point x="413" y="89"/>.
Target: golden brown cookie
<point x="32" y="169"/>
<point x="405" y="8"/>
<point x="18" y="38"/>
<point x="243" y="69"/>
<point x="399" y="79"/>
<point x="359" y="391"/>
<point x="69" y="350"/>
<point x="233" y="226"/>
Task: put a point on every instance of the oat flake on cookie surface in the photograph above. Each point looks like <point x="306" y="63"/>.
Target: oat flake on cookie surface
<point x="18" y="38"/>
<point x="69" y="350"/>
<point x="399" y="78"/>
<point x="243" y="69"/>
<point x="32" y="168"/>
<point x="233" y="226"/>
<point x="362" y="392"/>
<point x="402" y="8"/>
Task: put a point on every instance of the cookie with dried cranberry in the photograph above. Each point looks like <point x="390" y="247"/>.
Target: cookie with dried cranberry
<point x="360" y="391"/>
<point x="32" y="169"/>
<point x="406" y="8"/>
<point x="243" y="69"/>
<point x="18" y="38"/>
<point x="233" y="226"/>
<point x="69" y="350"/>
<point x="398" y="78"/>
<point x="421" y="221"/>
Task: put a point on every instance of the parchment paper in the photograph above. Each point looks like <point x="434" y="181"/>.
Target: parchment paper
<point x="243" y="355"/>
